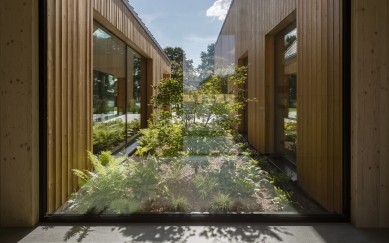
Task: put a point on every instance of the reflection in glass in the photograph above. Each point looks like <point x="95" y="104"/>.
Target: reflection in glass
<point x="116" y="92"/>
<point x="286" y="93"/>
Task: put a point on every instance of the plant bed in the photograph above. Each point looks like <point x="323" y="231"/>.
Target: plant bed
<point x="243" y="179"/>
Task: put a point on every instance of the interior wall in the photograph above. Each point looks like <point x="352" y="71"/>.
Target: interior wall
<point x="19" y="114"/>
<point x="370" y="113"/>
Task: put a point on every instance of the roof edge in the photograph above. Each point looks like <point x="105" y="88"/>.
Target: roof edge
<point x="131" y="9"/>
<point x="229" y="9"/>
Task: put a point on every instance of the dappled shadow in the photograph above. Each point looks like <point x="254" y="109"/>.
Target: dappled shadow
<point x="78" y="231"/>
<point x="220" y="233"/>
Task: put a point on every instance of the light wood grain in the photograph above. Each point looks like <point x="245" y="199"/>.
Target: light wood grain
<point x="370" y="116"/>
<point x="19" y="114"/>
<point x="70" y="65"/>
<point x="319" y="85"/>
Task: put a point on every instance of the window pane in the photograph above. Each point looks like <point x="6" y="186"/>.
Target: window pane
<point x="109" y="91"/>
<point x="286" y="93"/>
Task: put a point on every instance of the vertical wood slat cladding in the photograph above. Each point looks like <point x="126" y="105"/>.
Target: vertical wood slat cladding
<point x="319" y="93"/>
<point x="70" y="64"/>
<point x="69" y="96"/>
<point x="370" y="113"/>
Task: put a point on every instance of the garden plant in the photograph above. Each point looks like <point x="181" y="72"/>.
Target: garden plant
<point x="190" y="158"/>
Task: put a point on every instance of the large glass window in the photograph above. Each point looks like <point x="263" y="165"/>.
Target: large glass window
<point x="116" y="92"/>
<point x="286" y="93"/>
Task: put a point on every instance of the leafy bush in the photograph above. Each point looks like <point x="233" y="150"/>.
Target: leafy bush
<point x="164" y="138"/>
<point x="115" y="184"/>
<point x="180" y="204"/>
<point x="133" y="126"/>
<point x="238" y="179"/>
<point x="107" y="135"/>
<point x="283" y="199"/>
<point x="110" y="134"/>
<point x="202" y="116"/>
<point x="279" y="179"/>
<point x="104" y="185"/>
<point x="204" y="185"/>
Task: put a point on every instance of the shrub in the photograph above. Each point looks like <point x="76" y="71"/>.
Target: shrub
<point x="180" y="204"/>
<point x="221" y="203"/>
<point x="204" y="185"/>
<point x="283" y="199"/>
<point x="278" y="179"/>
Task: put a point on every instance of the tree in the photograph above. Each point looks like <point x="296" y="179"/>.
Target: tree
<point x="207" y="62"/>
<point x="289" y="41"/>
<point x="180" y="64"/>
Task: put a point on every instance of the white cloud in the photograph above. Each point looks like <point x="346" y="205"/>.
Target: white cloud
<point x="219" y="9"/>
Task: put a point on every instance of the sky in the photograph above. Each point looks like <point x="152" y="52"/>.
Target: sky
<point x="189" y="24"/>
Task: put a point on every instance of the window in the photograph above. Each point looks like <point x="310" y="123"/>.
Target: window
<point x="116" y="91"/>
<point x="286" y="93"/>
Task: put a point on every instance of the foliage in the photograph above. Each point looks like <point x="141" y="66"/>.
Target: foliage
<point x="124" y="206"/>
<point x="180" y="204"/>
<point x="290" y="130"/>
<point x="109" y="134"/>
<point x="278" y="179"/>
<point x="115" y="185"/>
<point x="181" y="67"/>
<point x="163" y="137"/>
<point x="133" y="126"/>
<point x="290" y="39"/>
<point x="204" y="185"/>
<point x="202" y="119"/>
<point x="221" y="203"/>
<point x="175" y="175"/>
<point x="207" y="62"/>
<point x="104" y="185"/>
<point x="283" y="199"/>
<point x="145" y="180"/>
<point x="238" y="179"/>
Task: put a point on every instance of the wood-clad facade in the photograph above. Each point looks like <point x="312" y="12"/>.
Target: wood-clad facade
<point x="252" y="27"/>
<point x="69" y="88"/>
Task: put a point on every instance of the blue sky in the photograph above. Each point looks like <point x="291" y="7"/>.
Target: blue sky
<point x="190" y="24"/>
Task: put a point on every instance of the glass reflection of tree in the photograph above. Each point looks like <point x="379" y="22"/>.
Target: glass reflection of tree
<point x="137" y="79"/>
<point x="104" y="87"/>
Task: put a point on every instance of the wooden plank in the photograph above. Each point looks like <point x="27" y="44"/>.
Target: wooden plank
<point x="321" y="194"/>
<point x="383" y="151"/>
<point x="331" y="138"/>
<point x="314" y="100"/>
<point x="338" y="107"/>
<point x="324" y="104"/>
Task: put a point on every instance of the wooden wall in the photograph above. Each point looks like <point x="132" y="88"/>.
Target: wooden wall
<point x="251" y="26"/>
<point x="19" y="114"/>
<point x="118" y="19"/>
<point x="69" y="91"/>
<point x="370" y="113"/>
<point x="70" y="65"/>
